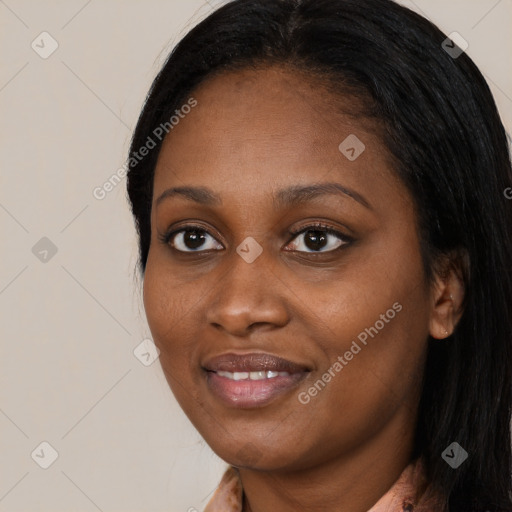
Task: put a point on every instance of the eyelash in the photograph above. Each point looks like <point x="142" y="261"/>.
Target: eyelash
<point x="325" y="228"/>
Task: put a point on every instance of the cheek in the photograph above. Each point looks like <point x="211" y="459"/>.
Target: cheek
<point x="168" y="312"/>
<point x="168" y="301"/>
<point x="381" y="331"/>
<point x="170" y="317"/>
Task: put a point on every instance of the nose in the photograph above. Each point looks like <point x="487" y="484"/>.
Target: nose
<point x="250" y="296"/>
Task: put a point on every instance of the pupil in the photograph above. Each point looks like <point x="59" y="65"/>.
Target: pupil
<point x="315" y="241"/>
<point x="317" y="238"/>
<point x="193" y="240"/>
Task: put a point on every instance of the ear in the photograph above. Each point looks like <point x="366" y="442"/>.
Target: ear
<point x="447" y="296"/>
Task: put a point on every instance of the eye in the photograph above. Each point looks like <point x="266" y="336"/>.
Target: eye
<point x="316" y="237"/>
<point x="190" y="239"/>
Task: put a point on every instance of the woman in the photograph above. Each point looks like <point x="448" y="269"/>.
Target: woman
<point x="318" y="188"/>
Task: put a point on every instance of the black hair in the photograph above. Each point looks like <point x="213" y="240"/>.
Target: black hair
<point x="449" y="146"/>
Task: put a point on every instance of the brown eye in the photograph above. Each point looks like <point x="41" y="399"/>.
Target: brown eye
<point x="316" y="238"/>
<point x="192" y="239"/>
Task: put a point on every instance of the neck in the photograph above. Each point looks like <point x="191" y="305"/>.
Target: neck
<point x="351" y="482"/>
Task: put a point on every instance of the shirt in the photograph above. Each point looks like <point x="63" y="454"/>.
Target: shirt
<point x="407" y="494"/>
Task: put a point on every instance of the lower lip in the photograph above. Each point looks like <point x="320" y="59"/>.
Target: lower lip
<point x="251" y="393"/>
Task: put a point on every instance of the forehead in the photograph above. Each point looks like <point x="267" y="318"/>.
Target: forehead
<point x="254" y="129"/>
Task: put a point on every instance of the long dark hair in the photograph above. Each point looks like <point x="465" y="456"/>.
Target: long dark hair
<point x="442" y="127"/>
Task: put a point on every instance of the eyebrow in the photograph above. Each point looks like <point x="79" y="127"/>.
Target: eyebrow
<point x="282" y="198"/>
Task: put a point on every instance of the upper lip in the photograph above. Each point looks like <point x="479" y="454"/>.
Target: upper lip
<point x="254" y="362"/>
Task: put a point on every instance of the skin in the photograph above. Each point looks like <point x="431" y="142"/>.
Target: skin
<point x="253" y="133"/>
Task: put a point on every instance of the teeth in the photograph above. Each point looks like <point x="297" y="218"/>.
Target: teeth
<point x="257" y="375"/>
<point x="252" y="375"/>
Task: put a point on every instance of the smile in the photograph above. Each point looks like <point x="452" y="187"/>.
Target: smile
<point x="252" y="375"/>
<point x="251" y="380"/>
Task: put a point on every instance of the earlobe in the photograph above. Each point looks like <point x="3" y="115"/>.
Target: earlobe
<point x="447" y="299"/>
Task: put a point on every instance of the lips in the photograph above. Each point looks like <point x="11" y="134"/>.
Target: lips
<point x="252" y="380"/>
<point x="255" y="362"/>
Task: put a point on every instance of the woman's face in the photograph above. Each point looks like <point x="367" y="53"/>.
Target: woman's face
<point x="285" y="350"/>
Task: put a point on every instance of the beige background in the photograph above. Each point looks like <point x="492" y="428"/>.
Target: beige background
<point x="68" y="374"/>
